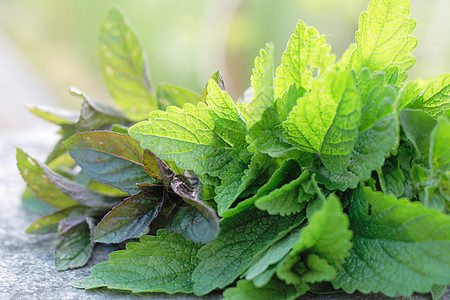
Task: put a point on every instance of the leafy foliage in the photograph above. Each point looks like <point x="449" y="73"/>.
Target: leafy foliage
<point x="162" y="263"/>
<point x="330" y="176"/>
<point x="397" y="232"/>
<point x="125" y="68"/>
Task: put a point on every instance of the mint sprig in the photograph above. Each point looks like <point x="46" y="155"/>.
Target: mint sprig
<point x="332" y="176"/>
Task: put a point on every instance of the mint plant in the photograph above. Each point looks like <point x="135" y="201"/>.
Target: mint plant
<point x="331" y="176"/>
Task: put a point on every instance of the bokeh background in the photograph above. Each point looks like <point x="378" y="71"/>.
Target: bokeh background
<point x="46" y="46"/>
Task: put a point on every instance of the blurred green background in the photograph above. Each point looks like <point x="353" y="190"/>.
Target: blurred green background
<point x="186" y="41"/>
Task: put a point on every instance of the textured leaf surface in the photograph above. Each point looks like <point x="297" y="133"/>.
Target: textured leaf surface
<point x="408" y="93"/>
<point x="326" y="120"/>
<point x="39" y="182"/>
<point x="241" y="238"/>
<point x="78" y="192"/>
<point x="262" y="113"/>
<point x="435" y="98"/>
<point x="391" y="178"/>
<point x="399" y="246"/>
<point x="228" y="121"/>
<point x="384" y="39"/>
<point x="111" y="158"/>
<point x="203" y="138"/>
<point x="323" y="245"/>
<point x="162" y="263"/>
<point x="377" y="97"/>
<point x="206" y="226"/>
<point x="258" y="164"/>
<point x="124" y="66"/>
<point x="379" y="134"/>
<point x="287" y="199"/>
<point x="193" y="225"/>
<point x="288" y="171"/>
<point x="286" y="103"/>
<point x="335" y="181"/>
<point x="372" y="145"/>
<point x="274" y="290"/>
<point x="128" y="218"/>
<point x="306" y="55"/>
<point x="75" y="249"/>
<point x="262" y="84"/>
<point x="185" y="136"/>
<point x="273" y="255"/>
<point x="371" y="148"/>
<point x="67" y="225"/>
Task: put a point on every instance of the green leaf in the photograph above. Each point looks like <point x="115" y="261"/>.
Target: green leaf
<point x="111" y="158"/>
<point x="185" y="136"/>
<point x="78" y="192"/>
<point x="326" y="120"/>
<point x="40" y="183"/>
<point x="174" y="95"/>
<point x="323" y="245"/>
<point x="206" y="217"/>
<point x="417" y="126"/>
<point x="125" y="68"/>
<point x="438" y="291"/>
<point x="306" y="56"/>
<point x="380" y="135"/>
<point x="439" y="145"/>
<point x="70" y="223"/>
<point x="48" y="223"/>
<point x="36" y="205"/>
<point x="258" y="164"/>
<point x="263" y="125"/>
<point x="75" y="249"/>
<point x="408" y="93"/>
<point x="288" y="171"/>
<point x="129" y="218"/>
<point x="372" y="146"/>
<point x="288" y="101"/>
<point x="241" y="238"/>
<point x="272" y="256"/>
<point x="229" y="189"/>
<point x="309" y="269"/>
<point x="95" y="114"/>
<point x="262" y="85"/>
<point x="217" y="77"/>
<point x="343" y="62"/>
<point x="200" y="138"/>
<point x="392" y="180"/>
<point x="228" y="121"/>
<point x="287" y="199"/>
<point x="435" y="97"/>
<point x="433" y="198"/>
<point x="193" y="225"/>
<point x="335" y="181"/>
<point x="55" y="115"/>
<point x="399" y="246"/>
<point x="384" y="40"/>
<point x="274" y="290"/>
<point x="377" y="97"/>
<point x="162" y="263"/>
